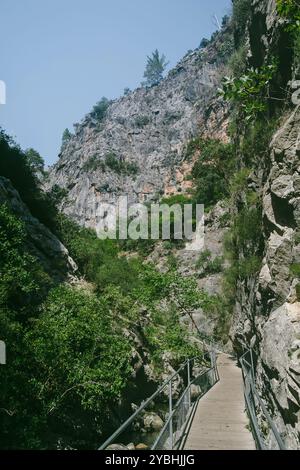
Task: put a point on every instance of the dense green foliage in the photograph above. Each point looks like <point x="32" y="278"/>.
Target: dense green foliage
<point x="81" y="362"/>
<point x="69" y="363"/>
<point x="155" y="67"/>
<point x="23" y="169"/>
<point x="290" y="10"/>
<point x="35" y="162"/>
<point x="212" y="171"/>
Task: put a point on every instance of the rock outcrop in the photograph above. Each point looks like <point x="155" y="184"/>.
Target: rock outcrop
<point x="138" y="148"/>
<point x="268" y="309"/>
<point x="267" y="316"/>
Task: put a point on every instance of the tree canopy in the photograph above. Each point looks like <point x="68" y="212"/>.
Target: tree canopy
<point x="155" y="67"/>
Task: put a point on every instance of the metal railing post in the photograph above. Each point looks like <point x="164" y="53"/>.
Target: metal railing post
<point x="189" y="382"/>
<point x="170" y="414"/>
<point x="168" y="429"/>
<point x="213" y="365"/>
<point x="252" y="364"/>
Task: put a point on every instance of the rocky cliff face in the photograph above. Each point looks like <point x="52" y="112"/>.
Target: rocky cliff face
<point x="138" y="148"/>
<point x="147" y="131"/>
<point x="267" y="316"/>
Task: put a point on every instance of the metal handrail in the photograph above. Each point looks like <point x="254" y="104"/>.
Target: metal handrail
<point x="172" y="409"/>
<point x="171" y="415"/>
<point x="250" y="389"/>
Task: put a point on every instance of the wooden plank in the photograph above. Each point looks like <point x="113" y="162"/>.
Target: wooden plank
<point x="220" y="421"/>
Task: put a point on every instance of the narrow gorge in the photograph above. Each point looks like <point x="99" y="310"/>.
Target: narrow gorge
<point x="221" y="129"/>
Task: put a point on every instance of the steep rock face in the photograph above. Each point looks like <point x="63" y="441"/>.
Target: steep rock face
<point x="146" y="132"/>
<point x="42" y="243"/>
<point x="267" y="316"/>
<point x="268" y="309"/>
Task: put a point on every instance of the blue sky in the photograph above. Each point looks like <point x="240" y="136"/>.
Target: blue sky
<point x="59" y="57"/>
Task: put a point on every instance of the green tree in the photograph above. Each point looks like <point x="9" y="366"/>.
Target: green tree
<point x="99" y="110"/>
<point x="82" y="364"/>
<point x="20" y="169"/>
<point x="65" y="137"/>
<point x="204" y="43"/>
<point x="155" y="68"/>
<point x="35" y="161"/>
<point x="290" y="10"/>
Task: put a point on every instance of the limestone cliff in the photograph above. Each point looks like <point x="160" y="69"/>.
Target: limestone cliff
<point x="267" y="314"/>
<point x="148" y="131"/>
<point x="138" y="148"/>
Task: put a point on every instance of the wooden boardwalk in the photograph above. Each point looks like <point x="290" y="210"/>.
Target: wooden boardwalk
<point x="220" y="421"/>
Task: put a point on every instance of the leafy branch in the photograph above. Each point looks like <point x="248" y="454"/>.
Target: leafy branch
<point x="290" y="11"/>
<point x="251" y="91"/>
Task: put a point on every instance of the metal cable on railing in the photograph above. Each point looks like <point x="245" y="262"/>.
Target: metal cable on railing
<point x="254" y="402"/>
<point x="172" y="431"/>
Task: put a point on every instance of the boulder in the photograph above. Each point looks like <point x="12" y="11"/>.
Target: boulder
<point x="153" y="422"/>
<point x="195" y="391"/>
<point x="116" y="447"/>
<point x="141" y="447"/>
<point x="131" y="446"/>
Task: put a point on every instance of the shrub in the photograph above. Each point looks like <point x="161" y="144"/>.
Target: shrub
<point x="93" y="163"/>
<point x="120" y="166"/>
<point x="212" y="170"/>
<point x="131" y="168"/>
<point x="21" y="168"/>
<point x="220" y="311"/>
<point x="256" y="141"/>
<point x="142" y="121"/>
<point x="238" y="183"/>
<point x="247" y="231"/>
<point x="17" y="266"/>
<point x="112" y="162"/>
<point x="207" y="265"/>
<point x="238" y="61"/>
<point x="225" y="20"/>
<point x="290" y="10"/>
<point x="99" y="110"/>
<point x="204" y="43"/>
<point x="58" y="194"/>
<point x="171" y="117"/>
<point x="250" y="91"/>
<point x="295" y="270"/>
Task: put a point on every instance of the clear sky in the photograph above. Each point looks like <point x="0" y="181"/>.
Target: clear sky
<point x="59" y="57"/>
